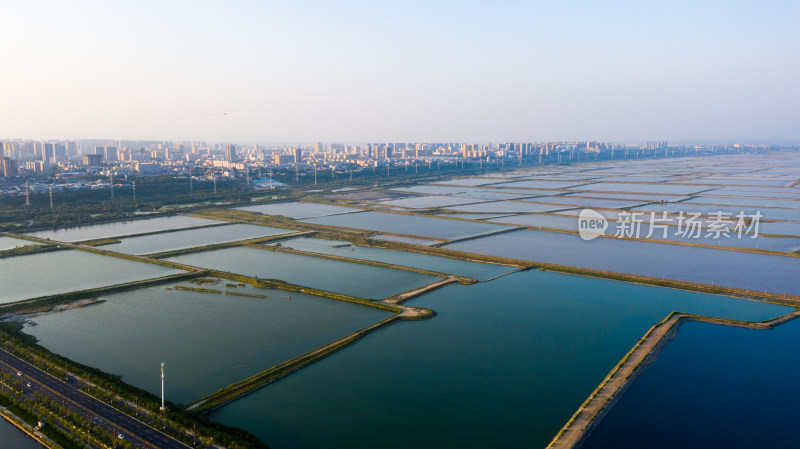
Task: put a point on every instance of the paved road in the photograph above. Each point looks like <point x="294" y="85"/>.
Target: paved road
<point x="134" y="430"/>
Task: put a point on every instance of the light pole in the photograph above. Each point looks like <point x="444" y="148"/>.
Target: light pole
<point x="162" y="386"/>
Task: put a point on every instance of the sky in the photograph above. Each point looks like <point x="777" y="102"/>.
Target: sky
<point x="382" y="70"/>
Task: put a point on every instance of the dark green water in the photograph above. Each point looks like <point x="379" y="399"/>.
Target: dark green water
<point x="363" y="281"/>
<point x="207" y="340"/>
<point x="35" y="275"/>
<point x="504" y="364"/>
<point x="13" y="438"/>
<point x="712" y="387"/>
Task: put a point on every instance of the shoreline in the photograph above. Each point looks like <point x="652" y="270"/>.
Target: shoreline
<point x="24" y="427"/>
<point x="591" y="413"/>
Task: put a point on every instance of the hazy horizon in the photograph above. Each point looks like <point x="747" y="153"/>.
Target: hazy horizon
<point x="354" y="71"/>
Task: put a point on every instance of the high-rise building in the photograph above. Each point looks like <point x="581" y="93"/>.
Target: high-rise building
<point x="230" y="153"/>
<point x="38" y="150"/>
<point x="298" y="156"/>
<point x="318" y="147"/>
<point x="49" y="153"/>
<point x="70" y="149"/>
<point x="656" y="145"/>
<point x="8" y="167"/>
<point x="111" y="154"/>
<point x="92" y="160"/>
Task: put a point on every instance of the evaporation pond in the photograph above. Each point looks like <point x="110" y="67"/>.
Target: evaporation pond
<point x="713" y="387"/>
<point x="11" y="243"/>
<point x="363" y="281"/>
<point x="35" y="275"/>
<point x="207" y="340"/>
<point x="752" y="271"/>
<point x="168" y="241"/>
<point x="505" y="363"/>
<point x="119" y="228"/>
<point x="297" y="210"/>
<point x="447" y="265"/>
<point x="409" y="225"/>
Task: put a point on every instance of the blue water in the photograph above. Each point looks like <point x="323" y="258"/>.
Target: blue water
<point x="779" y="274"/>
<point x="672" y="189"/>
<point x="536" y="184"/>
<point x="785" y="244"/>
<point x="416" y="260"/>
<point x="173" y="240"/>
<point x="298" y="210"/>
<point x="509" y="207"/>
<point x="713" y="387"/>
<point x="504" y="364"/>
<point x="706" y="210"/>
<point x="119" y="228"/>
<point x="408" y="224"/>
<point x="422" y="202"/>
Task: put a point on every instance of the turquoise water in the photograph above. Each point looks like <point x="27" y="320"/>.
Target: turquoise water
<point x="24" y="277"/>
<point x="423" y="261"/>
<point x="207" y="340"/>
<point x="504" y="364"/>
<point x="122" y="228"/>
<point x="297" y="210"/>
<point x="779" y="274"/>
<point x="408" y="224"/>
<point x="13" y="438"/>
<point x="363" y="281"/>
<point x="713" y="387"/>
<point x="10" y="243"/>
<point x="168" y="241"/>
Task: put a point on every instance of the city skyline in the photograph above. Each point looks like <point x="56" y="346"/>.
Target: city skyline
<point x="401" y="71"/>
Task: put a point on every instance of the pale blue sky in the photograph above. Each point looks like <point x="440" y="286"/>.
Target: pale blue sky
<point x="352" y="71"/>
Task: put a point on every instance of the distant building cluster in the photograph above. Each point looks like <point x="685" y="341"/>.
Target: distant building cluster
<point x="21" y="159"/>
